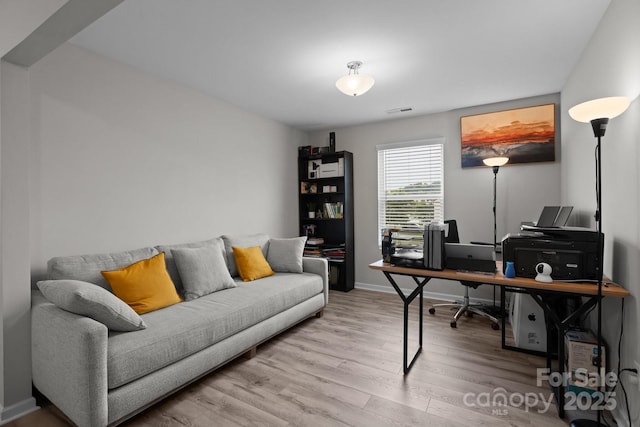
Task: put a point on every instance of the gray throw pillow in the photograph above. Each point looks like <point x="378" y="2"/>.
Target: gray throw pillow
<point x="172" y="269"/>
<point x="285" y="255"/>
<point x="202" y="270"/>
<point x="87" y="299"/>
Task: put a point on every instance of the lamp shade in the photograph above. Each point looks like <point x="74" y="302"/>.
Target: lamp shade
<point x="355" y="84"/>
<point x="495" y="161"/>
<point x="602" y="108"/>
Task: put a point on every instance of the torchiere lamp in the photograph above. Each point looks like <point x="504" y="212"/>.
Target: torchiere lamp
<point x="495" y="163"/>
<point x="598" y="112"/>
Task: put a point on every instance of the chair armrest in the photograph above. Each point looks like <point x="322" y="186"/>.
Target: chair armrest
<point x="318" y="266"/>
<point x="69" y="363"/>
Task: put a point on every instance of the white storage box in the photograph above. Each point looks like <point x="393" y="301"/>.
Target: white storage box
<point x="527" y="322"/>
<point x="331" y="170"/>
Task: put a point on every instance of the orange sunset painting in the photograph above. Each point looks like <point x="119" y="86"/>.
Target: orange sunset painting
<point x="523" y="135"/>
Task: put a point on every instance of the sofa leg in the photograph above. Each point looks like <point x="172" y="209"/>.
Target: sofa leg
<point x="320" y="314"/>
<point x="251" y="353"/>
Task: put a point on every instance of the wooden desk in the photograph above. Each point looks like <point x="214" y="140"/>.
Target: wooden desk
<point x="609" y="288"/>
<point x="538" y="290"/>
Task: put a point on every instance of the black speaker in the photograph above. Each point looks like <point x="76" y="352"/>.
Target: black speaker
<point x="332" y="142"/>
<point x="433" y="248"/>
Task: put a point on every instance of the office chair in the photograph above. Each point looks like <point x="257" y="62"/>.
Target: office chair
<point x="464" y="307"/>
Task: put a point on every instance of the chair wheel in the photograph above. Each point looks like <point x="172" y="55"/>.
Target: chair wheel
<point x="432" y="310"/>
<point x="453" y="324"/>
<point x="469" y="314"/>
<point x="495" y="326"/>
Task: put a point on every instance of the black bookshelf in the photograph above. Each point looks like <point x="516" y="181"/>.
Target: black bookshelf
<point x="325" y="187"/>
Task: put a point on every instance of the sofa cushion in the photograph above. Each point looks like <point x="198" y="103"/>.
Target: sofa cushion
<point x="203" y="270"/>
<point x="243" y="241"/>
<point x="176" y="332"/>
<point x="251" y="263"/>
<point x="87" y="299"/>
<point x="285" y="255"/>
<point x="172" y="269"/>
<point x="88" y="267"/>
<point x="145" y="285"/>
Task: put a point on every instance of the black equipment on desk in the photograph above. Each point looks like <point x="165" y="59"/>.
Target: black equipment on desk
<point x="433" y="249"/>
<point x="403" y="247"/>
<point x="415" y="247"/>
<point x="571" y="252"/>
<point x="436" y="248"/>
<point x="470" y="257"/>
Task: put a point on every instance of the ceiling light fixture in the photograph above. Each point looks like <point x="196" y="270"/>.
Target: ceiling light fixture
<point x="354" y="84"/>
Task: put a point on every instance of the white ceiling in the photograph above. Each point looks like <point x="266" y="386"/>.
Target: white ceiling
<point x="281" y="58"/>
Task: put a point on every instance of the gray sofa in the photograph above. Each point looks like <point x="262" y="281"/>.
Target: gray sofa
<point x="97" y="376"/>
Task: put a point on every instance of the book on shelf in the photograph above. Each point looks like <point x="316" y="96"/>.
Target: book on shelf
<point x="333" y="210"/>
<point x="312" y="252"/>
<point x="315" y="247"/>
<point x="313" y="241"/>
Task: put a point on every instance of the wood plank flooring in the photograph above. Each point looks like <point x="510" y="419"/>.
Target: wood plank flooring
<point x="345" y="369"/>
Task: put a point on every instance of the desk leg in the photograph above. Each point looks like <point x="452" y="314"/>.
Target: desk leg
<point x="420" y="285"/>
<point x="505" y="313"/>
<point x="418" y="291"/>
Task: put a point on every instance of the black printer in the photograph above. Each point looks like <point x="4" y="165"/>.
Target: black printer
<point x="571" y="252"/>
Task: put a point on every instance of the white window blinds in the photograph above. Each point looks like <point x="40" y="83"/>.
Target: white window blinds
<point x="410" y="184"/>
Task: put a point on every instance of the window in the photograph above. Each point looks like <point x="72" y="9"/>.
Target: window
<point x="410" y="185"/>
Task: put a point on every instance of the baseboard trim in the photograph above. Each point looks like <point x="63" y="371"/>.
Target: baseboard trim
<point x="432" y="295"/>
<point x="18" y="410"/>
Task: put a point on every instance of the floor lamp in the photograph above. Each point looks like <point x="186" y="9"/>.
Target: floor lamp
<point x="598" y="112"/>
<point x="495" y="163"/>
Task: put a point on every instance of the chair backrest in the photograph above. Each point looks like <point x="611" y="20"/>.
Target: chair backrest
<point x="452" y="236"/>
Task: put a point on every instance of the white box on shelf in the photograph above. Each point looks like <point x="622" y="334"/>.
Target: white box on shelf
<point x="329" y="189"/>
<point x="332" y="169"/>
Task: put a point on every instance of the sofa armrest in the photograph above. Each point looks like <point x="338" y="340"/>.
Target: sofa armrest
<point x="319" y="266"/>
<point x="69" y="362"/>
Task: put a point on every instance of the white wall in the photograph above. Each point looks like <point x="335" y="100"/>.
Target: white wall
<point x="18" y="18"/>
<point x="16" y="300"/>
<point x="610" y="66"/>
<point x="522" y="189"/>
<point x="98" y="157"/>
<point x="123" y="160"/>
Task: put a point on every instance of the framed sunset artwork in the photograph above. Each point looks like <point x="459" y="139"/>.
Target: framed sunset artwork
<point x="524" y="135"/>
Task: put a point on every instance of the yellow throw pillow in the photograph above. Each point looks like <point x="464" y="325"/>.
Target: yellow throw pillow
<point x="251" y="263"/>
<point x="144" y="285"/>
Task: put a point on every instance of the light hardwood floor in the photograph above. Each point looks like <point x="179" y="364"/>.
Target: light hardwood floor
<point x="345" y="369"/>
